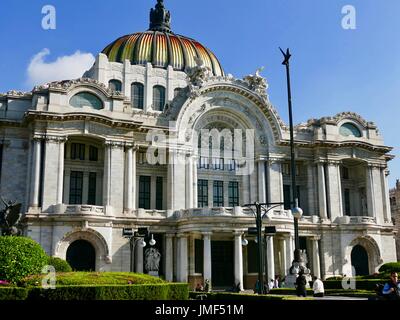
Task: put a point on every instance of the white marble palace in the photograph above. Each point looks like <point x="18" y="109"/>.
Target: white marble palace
<point x="75" y="154"/>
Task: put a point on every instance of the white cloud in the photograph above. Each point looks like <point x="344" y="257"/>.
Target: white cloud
<point x="64" y="68"/>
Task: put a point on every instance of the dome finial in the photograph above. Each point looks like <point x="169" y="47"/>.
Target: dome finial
<point x="160" y="18"/>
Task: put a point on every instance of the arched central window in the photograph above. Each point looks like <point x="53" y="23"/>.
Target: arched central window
<point x="158" y="98"/>
<point x="115" y="85"/>
<point x="349" y="129"/>
<point x="137" y="95"/>
<point x="86" y="99"/>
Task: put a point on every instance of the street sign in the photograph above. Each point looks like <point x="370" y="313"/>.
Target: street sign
<point x="127" y="232"/>
<point x="270" y="231"/>
<point x="252" y="230"/>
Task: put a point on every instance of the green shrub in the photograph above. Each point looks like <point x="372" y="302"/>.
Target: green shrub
<point x="13" y="293"/>
<point x="166" y="291"/>
<point x="288" y="291"/>
<point x="390" y="267"/>
<point x="94" y="278"/>
<point x="59" y="264"/>
<point x="20" y="257"/>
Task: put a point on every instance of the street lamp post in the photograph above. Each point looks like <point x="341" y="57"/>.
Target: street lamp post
<point x="259" y="216"/>
<point x="296" y="211"/>
<point x="134" y="237"/>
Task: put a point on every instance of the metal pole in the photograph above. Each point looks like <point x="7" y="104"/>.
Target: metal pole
<point x="294" y="199"/>
<point x="131" y="244"/>
<point x="260" y="249"/>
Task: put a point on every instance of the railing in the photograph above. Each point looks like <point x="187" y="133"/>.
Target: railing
<point x="84" y="209"/>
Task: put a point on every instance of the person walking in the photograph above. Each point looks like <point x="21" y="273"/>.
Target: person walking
<point x="301" y="283"/>
<point x="391" y="290"/>
<point x="318" y="287"/>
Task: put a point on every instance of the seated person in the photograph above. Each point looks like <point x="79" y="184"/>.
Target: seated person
<point x="318" y="287"/>
<point x="391" y="290"/>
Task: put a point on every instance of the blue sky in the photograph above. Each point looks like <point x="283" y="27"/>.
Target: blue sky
<point x="333" y="69"/>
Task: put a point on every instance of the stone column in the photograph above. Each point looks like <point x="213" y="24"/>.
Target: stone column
<point x="289" y="252"/>
<point x="67" y="179"/>
<point x="207" y="256"/>
<point x="238" y="259"/>
<point x="322" y="203"/>
<point x="85" y="187"/>
<point x="270" y="258"/>
<point x="386" y="199"/>
<point x="334" y="190"/>
<point x="129" y="179"/>
<point x="134" y="157"/>
<point x="262" y="193"/>
<point x="107" y="175"/>
<point x="283" y="256"/>
<point x="275" y="182"/>
<point x="370" y="192"/>
<point x="36" y="159"/>
<point x="139" y="257"/>
<point x="195" y="197"/>
<point x="316" y="268"/>
<point x="311" y="188"/>
<point x="169" y="268"/>
<point x="60" y="173"/>
<point x="189" y="182"/>
<point x="183" y="258"/>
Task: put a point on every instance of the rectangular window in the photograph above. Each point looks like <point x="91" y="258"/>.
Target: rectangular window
<point x="298" y="196"/>
<point x="202" y="193"/>
<point x="345" y="173"/>
<point x="218" y="194"/>
<point x="144" y="192"/>
<point x="233" y="190"/>
<point x="75" y="187"/>
<point x="347" y="202"/>
<point x="92" y="189"/>
<point x="286" y="196"/>
<point x="77" y="151"/>
<point x="232" y="165"/>
<point x="159" y="193"/>
<point x="198" y="255"/>
<point x="286" y="169"/>
<point x="93" y="154"/>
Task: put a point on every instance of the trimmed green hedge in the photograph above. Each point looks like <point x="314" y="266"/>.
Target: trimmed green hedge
<point x="13" y="293"/>
<point x="59" y="264"/>
<point x="240" y="296"/>
<point x="20" y="257"/>
<point x="94" y="278"/>
<point x="364" y="284"/>
<point x="167" y="291"/>
<point x="390" y="267"/>
<point x="288" y="291"/>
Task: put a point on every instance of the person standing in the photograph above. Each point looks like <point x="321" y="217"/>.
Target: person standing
<point x="391" y="290"/>
<point x="318" y="288"/>
<point x="301" y="283"/>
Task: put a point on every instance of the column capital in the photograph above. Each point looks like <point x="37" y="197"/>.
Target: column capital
<point x="238" y="233"/>
<point x="206" y="233"/>
<point x="170" y="235"/>
<point x="38" y="137"/>
<point x="114" y="144"/>
<point x="182" y="235"/>
<point x="55" y="139"/>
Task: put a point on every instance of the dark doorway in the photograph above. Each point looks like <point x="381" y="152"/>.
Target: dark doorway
<point x="359" y="260"/>
<point x="81" y="256"/>
<point x="222" y="265"/>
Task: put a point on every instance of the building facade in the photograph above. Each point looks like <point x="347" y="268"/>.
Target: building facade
<point x="119" y="148"/>
<point x="395" y="207"/>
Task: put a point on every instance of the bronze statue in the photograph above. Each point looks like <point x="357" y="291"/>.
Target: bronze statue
<point x="9" y="218"/>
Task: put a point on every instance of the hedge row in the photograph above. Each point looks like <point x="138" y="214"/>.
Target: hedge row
<point x="169" y="291"/>
<point x="364" y="284"/>
<point x="13" y="293"/>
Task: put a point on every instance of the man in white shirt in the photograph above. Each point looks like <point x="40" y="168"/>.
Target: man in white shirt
<point x="318" y="288"/>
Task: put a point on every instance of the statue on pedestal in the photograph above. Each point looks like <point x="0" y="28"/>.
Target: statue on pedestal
<point x="152" y="262"/>
<point x="9" y="218"/>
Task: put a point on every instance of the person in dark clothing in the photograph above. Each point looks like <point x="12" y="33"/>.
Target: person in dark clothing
<point x="391" y="290"/>
<point x="301" y="283"/>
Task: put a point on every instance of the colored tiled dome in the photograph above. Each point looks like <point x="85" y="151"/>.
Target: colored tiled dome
<point x="161" y="47"/>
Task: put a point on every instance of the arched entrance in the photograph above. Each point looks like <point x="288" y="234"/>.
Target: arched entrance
<point x="359" y="260"/>
<point x="81" y="255"/>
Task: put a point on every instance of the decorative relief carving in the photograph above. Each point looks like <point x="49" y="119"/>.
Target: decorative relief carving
<point x="258" y="84"/>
